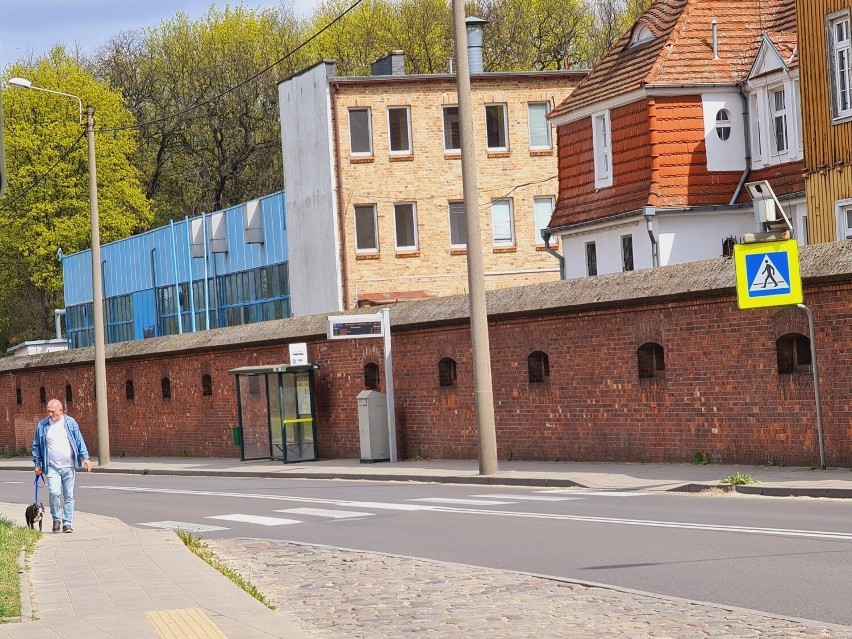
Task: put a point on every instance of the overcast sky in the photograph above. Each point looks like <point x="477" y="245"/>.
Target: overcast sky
<point x="34" y="26"/>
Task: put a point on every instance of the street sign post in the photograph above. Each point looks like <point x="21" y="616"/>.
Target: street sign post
<point x="364" y="326"/>
<point x="768" y="274"/>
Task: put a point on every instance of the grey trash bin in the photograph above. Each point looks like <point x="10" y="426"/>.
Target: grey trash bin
<point x="373" y="426"/>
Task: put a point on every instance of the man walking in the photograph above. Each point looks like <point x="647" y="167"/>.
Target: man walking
<point x="59" y="449"/>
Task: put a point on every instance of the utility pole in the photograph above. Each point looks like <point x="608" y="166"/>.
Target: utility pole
<point x="483" y="390"/>
<point x="97" y="299"/>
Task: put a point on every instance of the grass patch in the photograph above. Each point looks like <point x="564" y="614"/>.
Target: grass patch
<point x="196" y="545"/>
<point x="13" y="540"/>
<point x="21" y="452"/>
<point x="738" y="479"/>
<point x="700" y="458"/>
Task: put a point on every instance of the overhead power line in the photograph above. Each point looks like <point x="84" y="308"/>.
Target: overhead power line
<point x="198" y="105"/>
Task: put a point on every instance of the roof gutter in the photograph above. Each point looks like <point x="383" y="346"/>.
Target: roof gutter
<point x="747" y="138"/>
<point x="546" y="234"/>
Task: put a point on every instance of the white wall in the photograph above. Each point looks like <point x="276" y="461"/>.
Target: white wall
<point x="724" y="155"/>
<point x="309" y="192"/>
<point x="681" y="237"/>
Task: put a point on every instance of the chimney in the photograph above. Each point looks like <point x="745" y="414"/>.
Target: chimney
<point x="714" y="25"/>
<point x="392" y="63"/>
<point x="475" y="27"/>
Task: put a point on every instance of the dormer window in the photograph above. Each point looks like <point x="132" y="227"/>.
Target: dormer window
<point x="641" y="35"/>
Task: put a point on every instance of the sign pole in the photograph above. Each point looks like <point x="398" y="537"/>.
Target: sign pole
<point x="389" y="383"/>
<point x="816" y="383"/>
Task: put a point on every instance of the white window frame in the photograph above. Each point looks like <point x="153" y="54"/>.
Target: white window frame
<point x="369" y="152"/>
<point x="538" y="218"/>
<point x="723" y="125"/>
<point x="456" y="208"/>
<point x="756" y="129"/>
<point x="627" y="240"/>
<point x="504" y="109"/>
<point x="396" y="213"/>
<point x="840" y="51"/>
<point x="594" y="251"/>
<point x="408" y="149"/>
<point x="777" y="115"/>
<point x="843" y="210"/>
<point x="498" y="226"/>
<point x="375" y="223"/>
<point x="537" y="115"/>
<point x="445" y="126"/>
<point x="602" y="142"/>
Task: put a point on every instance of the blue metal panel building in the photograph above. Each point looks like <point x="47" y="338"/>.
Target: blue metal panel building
<point x="220" y="269"/>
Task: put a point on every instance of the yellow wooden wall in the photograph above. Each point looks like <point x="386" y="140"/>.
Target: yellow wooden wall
<point x="828" y="147"/>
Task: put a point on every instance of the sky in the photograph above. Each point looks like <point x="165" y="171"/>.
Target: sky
<point x="34" y="26"/>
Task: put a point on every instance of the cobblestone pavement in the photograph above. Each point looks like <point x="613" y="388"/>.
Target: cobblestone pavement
<point x="343" y="593"/>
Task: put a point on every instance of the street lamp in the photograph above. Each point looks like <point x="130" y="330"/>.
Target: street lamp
<point x="97" y="282"/>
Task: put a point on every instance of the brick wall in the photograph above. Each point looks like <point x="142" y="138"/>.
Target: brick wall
<point x="720" y="393"/>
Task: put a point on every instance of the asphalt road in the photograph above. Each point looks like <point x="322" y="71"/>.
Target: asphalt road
<point x="786" y="556"/>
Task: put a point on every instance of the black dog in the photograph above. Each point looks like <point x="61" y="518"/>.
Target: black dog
<point x="35" y="513"/>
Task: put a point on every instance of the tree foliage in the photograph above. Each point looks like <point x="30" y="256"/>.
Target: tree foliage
<point x="207" y="111"/>
<point x="46" y="206"/>
<point x="189" y="118"/>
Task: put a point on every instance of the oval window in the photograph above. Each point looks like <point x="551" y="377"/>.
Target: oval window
<point x="723" y="124"/>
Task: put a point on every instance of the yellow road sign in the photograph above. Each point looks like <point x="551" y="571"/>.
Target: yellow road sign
<point x="768" y="274"/>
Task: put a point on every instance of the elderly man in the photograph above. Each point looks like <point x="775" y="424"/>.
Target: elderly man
<point x="59" y="449"/>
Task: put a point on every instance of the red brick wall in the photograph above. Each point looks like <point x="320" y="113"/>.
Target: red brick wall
<point x="721" y="394"/>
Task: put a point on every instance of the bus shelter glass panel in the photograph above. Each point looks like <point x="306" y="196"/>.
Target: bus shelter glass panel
<point x="254" y="407"/>
<point x="276" y="421"/>
<point x="299" y="430"/>
<point x="276" y="413"/>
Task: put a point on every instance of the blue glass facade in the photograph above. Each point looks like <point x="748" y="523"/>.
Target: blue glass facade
<point x="221" y="269"/>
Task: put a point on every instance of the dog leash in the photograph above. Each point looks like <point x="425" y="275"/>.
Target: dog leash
<point x="35" y="483"/>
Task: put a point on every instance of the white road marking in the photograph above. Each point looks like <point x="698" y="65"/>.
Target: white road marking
<point x="781" y="532"/>
<point x="529" y="497"/>
<point x="182" y="525"/>
<point x="256" y="519"/>
<point x="323" y="512"/>
<point x="465" y="502"/>
<point x="600" y="493"/>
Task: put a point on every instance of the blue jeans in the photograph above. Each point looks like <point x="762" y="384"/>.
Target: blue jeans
<point x="60" y="483"/>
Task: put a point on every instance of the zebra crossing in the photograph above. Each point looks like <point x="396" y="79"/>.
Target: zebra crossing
<point x="428" y="503"/>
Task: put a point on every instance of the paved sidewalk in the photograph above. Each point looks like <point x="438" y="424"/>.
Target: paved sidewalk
<point x="108" y="580"/>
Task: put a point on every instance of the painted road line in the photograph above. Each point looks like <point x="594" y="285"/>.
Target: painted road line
<point x="256" y="519"/>
<point x="182" y="525"/>
<point x="323" y="512"/>
<point x="373" y="505"/>
<point x="461" y="502"/>
<point x="529" y="497"/>
<point x="597" y="493"/>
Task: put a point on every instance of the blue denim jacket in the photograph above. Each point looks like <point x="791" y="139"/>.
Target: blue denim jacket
<point x="78" y="446"/>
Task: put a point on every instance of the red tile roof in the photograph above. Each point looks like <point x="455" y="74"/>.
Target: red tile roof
<point x="682" y="52"/>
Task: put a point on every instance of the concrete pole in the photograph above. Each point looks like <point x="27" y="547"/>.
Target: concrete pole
<point x="97" y="299"/>
<point x="483" y="391"/>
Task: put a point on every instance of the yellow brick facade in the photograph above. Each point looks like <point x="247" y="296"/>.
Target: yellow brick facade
<point x="430" y="178"/>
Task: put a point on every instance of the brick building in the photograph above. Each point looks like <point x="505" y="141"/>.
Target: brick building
<point x="373" y="182"/>
<point x="655" y="146"/>
<point x="646" y="366"/>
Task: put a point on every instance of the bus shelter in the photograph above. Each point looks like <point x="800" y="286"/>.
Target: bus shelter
<point x="276" y="416"/>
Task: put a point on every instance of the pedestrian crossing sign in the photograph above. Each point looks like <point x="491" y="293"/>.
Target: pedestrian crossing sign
<point x="768" y="274"/>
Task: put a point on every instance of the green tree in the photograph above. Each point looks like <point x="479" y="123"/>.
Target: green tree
<point x="46" y="206"/>
<point x="206" y="100"/>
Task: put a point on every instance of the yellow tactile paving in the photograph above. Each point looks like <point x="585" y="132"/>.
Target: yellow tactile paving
<point x="186" y="623"/>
